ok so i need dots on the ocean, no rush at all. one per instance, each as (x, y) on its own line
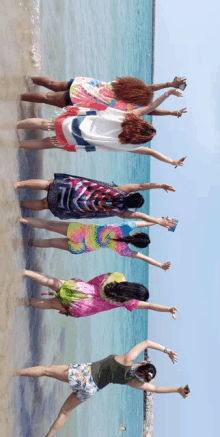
(101, 39)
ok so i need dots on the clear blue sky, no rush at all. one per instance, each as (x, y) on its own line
(187, 43)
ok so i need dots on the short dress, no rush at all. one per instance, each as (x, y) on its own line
(81, 130)
(83, 299)
(77, 197)
(83, 238)
(96, 94)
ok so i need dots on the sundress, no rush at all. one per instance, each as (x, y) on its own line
(83, 238)
(82, 299)
(96, 94)
(81, 130)
(77, 197)
(81, 381)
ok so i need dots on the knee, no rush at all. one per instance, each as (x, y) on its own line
(49, 97)
(44, 203)
(47, 371)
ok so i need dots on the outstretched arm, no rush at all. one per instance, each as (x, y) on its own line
(131, 188)
(147, 109)
(136, 383)
(133, 353)
(174, 84)
(159, 156)
(164, 266)
(143, 223)
(165, 222)
(155, 307)
(70, 403)
(177, 114)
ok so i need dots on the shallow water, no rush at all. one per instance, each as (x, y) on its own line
(98, 39)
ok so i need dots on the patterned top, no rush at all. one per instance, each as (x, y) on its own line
(82, 299)
(77, 197)
(93, 93)
(79, 129)
(85, 238)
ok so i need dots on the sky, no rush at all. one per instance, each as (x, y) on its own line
(186, 44)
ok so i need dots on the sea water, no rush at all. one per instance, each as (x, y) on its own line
(100, 39)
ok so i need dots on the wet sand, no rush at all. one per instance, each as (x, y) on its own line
(16, 66)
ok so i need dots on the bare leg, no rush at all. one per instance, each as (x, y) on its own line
(49, 225)
(57, 243)
(57, 372)
(53, 283)
(35, 205)
(34, 123)
(34, 184)
(51, 84)
(47, 304)
(54, 99)
(42, 144)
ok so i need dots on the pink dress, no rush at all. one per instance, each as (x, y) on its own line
(82, 299)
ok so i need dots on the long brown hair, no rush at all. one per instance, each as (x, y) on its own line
(136, 130)
(132, 90)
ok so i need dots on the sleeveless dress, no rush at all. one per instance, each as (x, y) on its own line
(81, 130)
(82, 299)
(96, 94)
(77, 197)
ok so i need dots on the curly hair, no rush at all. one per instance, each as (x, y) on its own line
(132, 90)
(135, 130)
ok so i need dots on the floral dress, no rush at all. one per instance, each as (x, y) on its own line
(82, 299)
(85, 238)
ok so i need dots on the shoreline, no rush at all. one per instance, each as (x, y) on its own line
(147, 396)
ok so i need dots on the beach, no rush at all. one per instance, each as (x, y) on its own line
(85, 45)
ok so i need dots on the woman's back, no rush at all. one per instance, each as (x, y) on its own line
(84, 238)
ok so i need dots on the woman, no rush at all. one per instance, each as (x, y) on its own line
(84, 238)
(105, 292)
(76, 197)
(87, 379)
(125, 93)
(78, 129)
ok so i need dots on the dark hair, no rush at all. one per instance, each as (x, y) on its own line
(139, 239)
(145, 368)
(134, 200)
(135, 130)
(125, 291)
(132, 90)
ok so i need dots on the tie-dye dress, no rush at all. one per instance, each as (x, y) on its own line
(82, 299)
(96, 94)
(85, 238)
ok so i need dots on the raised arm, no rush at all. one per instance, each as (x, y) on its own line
(165, 222)
(136, 383)
(146, 151)
(177, 114)
(131, 188)
(147, 109)
(133, 353)
(164, 266)
(70, 403)
(143, 223)
(155, 307)
(174, 84)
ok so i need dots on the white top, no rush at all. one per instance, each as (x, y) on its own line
(102, 131)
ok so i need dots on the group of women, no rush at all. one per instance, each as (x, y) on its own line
(95, 116)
